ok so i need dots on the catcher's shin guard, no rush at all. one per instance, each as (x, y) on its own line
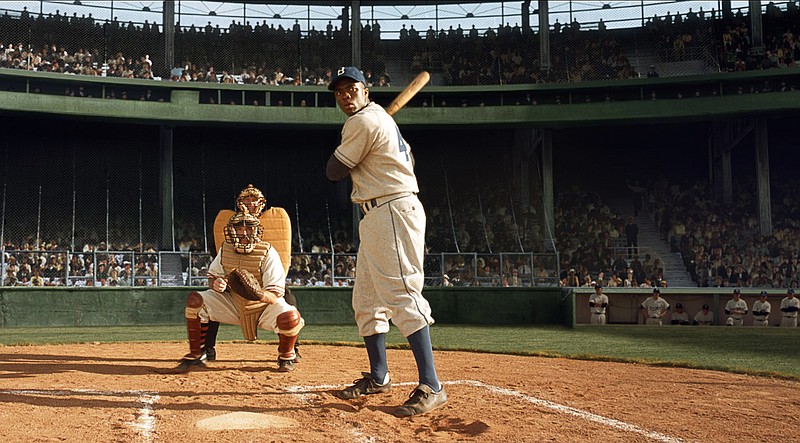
(289, 324)
(292, 300)
(196, 329)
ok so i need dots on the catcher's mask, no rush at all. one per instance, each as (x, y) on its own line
(251, 201)
(243, 231)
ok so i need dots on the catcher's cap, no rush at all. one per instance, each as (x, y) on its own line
(349, 72)
(763, 294)
(737, 291)
(706, 307)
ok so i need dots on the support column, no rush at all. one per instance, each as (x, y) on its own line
(355, 32)
(168, 17)
(547, 189)
(762, 177)
(524, 144)
(544, 36)
(166, 188)
(526, 17)
(727, 178)
(756, 30)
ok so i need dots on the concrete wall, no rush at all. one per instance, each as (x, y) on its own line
(69, 306)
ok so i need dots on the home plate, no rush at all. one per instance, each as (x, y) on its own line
(245, 420)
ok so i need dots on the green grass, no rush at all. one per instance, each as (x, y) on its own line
(757, 351)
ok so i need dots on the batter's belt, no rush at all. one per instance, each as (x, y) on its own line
(249, 313)
(380, 201)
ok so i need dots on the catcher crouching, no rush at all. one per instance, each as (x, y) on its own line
(246, 281)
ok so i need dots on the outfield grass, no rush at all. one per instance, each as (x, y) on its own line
(759, 351)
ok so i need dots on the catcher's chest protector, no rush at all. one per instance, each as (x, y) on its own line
(249, 310)
(277, 230)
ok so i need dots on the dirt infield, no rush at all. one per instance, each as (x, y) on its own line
(123, 393)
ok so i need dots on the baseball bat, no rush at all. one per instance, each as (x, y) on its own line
(409, 92)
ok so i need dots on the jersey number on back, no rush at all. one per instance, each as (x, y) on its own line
(402, 144)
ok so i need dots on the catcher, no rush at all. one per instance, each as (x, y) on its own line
(246, 281)
(252, 201)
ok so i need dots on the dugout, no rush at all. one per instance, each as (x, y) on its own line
(624, 303)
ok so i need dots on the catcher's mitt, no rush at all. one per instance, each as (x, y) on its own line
(242, 282)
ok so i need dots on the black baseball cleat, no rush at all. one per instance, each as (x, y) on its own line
(209, 354)
(364, 386)
(422, 400)
(285, 365)
(188, 364)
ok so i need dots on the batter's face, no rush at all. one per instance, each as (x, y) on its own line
(350, 95)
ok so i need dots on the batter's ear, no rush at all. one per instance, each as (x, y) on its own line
(366, 91)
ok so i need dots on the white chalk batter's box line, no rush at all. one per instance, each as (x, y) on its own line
(586, 415)
(145, 422)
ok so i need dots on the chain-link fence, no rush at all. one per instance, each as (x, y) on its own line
(78, 190)
(459, 43)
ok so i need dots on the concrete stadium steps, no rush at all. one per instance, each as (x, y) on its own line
(674, 272)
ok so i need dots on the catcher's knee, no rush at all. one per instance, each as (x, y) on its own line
(290, 323)
(194, 303)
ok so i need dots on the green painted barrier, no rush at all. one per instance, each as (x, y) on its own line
(91, 306)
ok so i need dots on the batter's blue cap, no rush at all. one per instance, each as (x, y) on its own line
(790, 291)
(764, 293)
(349, 72)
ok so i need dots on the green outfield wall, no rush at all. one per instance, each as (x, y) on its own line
(70, 306)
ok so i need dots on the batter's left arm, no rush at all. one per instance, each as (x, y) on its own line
(335, 170)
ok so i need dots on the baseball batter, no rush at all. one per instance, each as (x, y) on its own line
(654, 309)
(598, 303)
(761, 310)
(736, 309)
(243, 249)
(389, 273)
(789, 307)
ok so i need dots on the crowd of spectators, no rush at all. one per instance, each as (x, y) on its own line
(721, 243)
(246, 54)
(781, 42)
(590, 237)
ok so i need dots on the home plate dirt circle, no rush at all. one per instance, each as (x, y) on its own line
(245, 420)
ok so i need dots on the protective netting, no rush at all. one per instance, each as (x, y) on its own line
(460, 44)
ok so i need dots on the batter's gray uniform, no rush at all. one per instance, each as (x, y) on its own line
(761, 310)
(789, 309)
(389, 273)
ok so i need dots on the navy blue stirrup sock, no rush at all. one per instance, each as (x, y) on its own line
(420, 342)
(376, 350)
